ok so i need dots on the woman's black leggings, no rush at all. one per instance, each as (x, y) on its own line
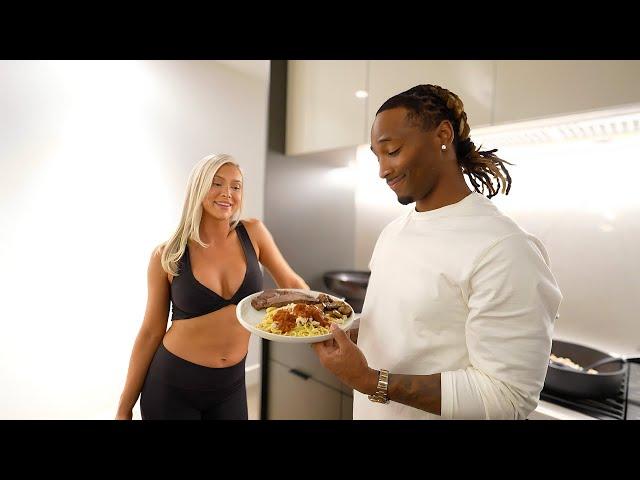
(176, 389)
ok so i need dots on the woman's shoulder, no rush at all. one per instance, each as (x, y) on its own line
(257, 232)
(156, 261)
(250, 222)
(158, 250)
(253, 225)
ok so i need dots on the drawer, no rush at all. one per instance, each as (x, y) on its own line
(292, 397)
(302, 357)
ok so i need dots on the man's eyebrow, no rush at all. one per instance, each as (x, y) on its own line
(381, 140)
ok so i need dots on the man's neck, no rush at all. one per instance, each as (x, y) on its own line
(443, 194)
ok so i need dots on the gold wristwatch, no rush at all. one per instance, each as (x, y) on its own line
(382, 390)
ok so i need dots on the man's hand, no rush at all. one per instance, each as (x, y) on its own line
(345, 360)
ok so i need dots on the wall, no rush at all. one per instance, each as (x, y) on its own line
(580, 198)
(310, 210)
(95, 157)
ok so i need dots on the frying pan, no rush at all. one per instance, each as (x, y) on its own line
(580, 384)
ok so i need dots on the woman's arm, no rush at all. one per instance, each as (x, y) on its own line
(269, 255)
(151, 333)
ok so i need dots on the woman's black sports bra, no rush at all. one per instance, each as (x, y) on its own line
(190, 298)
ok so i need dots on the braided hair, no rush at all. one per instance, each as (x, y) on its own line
(428, 105)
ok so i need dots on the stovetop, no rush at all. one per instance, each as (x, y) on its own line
(624, 406)
(633, 399)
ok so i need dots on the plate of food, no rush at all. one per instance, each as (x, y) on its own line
(293, 315)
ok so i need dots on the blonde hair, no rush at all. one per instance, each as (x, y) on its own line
(198, 187)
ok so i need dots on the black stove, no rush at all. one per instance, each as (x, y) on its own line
(624, 406)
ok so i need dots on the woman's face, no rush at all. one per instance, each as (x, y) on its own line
(225, 194)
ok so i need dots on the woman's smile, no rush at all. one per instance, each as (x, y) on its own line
(223, 205)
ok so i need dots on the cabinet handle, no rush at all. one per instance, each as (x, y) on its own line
(300, 374)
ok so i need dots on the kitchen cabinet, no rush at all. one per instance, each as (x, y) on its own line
(530, 89)
(347, 407)
(471, 80)
(292, 397)
(301, 388)
(302, 357)
(323, 112)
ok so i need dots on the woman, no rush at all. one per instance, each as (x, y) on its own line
(196, 369)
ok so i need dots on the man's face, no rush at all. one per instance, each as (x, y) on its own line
(410, 158)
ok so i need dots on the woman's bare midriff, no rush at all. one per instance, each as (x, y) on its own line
(214, 340)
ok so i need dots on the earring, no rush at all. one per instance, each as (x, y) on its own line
(444, 147)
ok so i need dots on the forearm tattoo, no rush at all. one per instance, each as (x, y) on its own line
(418, 391)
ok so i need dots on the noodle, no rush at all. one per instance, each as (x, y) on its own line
(305, 327)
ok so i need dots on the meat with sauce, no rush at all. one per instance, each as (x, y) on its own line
(279, 298)
(286, 321)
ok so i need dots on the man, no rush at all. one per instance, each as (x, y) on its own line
(458, 316)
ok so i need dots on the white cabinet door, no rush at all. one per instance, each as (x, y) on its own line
(530, 89)
(303, 358)
(471, 80)
(291, 397)
(323, 111)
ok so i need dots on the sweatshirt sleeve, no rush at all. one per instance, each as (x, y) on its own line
(513, 301)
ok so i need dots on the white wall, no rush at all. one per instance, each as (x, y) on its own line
(94, 158)
(581, 200)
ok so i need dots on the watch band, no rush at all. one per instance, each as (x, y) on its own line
(382, 390)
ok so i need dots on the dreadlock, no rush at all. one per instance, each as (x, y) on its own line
(430, 105)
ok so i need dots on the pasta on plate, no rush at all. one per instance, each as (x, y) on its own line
(299, 320)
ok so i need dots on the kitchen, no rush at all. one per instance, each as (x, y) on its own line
(558, 136)
(300, 130)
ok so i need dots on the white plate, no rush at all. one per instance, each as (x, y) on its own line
(249, 317)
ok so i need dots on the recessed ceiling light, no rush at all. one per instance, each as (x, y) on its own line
(362, 94)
